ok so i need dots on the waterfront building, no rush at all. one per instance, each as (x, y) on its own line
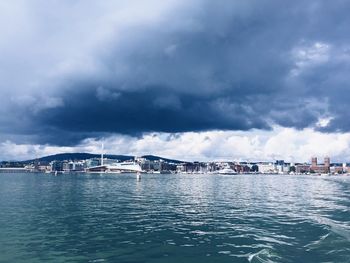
(302, 168)
(254, 168)
(180, 168)
(168, 167)
(320, 168)
(282, 167)
(267, 168)
(242, 168)
(57, 166)
(327, 162)
(44, 168)
(336, 169)
(77, 166)
(92, 162)
(146, 165)
(347, 170)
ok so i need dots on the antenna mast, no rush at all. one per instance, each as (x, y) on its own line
(102, 154)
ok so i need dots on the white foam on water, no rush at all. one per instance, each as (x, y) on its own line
(264, 256)
(334, 226)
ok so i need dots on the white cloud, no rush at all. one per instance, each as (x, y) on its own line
(324, 122)
(308, 56)
(12, 151)
(281, 143)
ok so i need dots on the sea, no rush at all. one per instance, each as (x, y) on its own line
(174, 218)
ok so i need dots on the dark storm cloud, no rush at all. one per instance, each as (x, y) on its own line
(152, 109)
(228, 65)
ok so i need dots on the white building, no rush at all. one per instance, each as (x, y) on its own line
(267, 168)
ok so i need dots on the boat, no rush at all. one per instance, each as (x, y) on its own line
(226, 171)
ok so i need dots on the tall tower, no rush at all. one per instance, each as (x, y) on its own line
(314, 162)
(327, 164)
(102, 154)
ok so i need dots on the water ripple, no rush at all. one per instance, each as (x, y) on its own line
(177, 218)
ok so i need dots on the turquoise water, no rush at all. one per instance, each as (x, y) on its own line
(174, 218)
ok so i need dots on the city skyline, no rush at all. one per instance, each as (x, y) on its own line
(313, 161)
(88, 163)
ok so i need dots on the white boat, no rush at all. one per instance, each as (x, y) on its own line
(227, 171)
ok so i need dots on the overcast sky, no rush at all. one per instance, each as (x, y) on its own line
(193, 79)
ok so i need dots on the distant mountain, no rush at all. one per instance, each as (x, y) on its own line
(157, 158)
(77, 156)
(84, 156)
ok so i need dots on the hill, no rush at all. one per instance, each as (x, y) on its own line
(84, 156)
(157, 158)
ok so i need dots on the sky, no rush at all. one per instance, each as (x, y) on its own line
(187, 79)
